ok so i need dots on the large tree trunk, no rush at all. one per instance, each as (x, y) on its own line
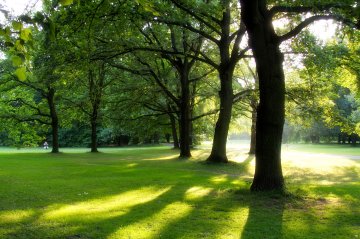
(185, 113)
(271, 113)
(54, 120)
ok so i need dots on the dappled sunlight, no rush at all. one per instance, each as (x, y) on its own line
(219, 179)
(241, 158)
(132, 165)
(200, 154)
(240, 183)
(326, 214)
(237, 220)
(168, 157)
(104, 207)
(15, 216)
(151, 227)
(197, 192)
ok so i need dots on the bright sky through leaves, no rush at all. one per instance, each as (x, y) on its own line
(324, 30)
(18, 7)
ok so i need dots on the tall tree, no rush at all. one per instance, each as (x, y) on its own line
(214, 21)
(265, 44)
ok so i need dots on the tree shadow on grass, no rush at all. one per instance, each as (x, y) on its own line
(265, 216)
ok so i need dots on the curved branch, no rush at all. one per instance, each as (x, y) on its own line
(197, 17)
(189, 27)
(302, 25)
(303, 9)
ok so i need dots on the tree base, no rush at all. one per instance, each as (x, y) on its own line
(275, 184)
(217, 159)
(185, 156)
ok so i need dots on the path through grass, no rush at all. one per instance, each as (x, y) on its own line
(149, 193)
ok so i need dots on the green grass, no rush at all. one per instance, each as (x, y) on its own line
(149, 193)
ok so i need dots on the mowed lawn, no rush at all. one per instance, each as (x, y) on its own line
(150, 193)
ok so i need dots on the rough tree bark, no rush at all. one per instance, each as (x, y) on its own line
(270, 115)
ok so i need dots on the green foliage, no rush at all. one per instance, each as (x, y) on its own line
(61, 46)
(66, 2)
(21, 73)
(319, 90)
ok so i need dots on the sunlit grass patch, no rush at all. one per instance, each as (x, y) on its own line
(15, 216)
(152, 226)
(103, 207)
(196, 193)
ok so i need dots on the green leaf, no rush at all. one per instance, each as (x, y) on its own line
(19, 46)
(25, 34)
(17, 61)
(21, 73)
(66, 2)
(17, 25)
(7, 31)
(2, 32)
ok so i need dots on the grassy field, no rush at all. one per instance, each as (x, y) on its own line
(149, 193)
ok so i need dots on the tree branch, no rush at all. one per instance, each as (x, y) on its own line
(241, 94)
(302, 25)
(189, 27)
(303, 9)
(212, 112)
(197, 17)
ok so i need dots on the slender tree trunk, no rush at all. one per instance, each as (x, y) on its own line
(226, 70)
(253, 130)
(185, 113)
(167, 138)
(192, 139)
(96, 85)
(94, 135)
(218, 151)
(54, 120)
(271, 113)
(94, 123)
(192, 105)
(174, 131)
